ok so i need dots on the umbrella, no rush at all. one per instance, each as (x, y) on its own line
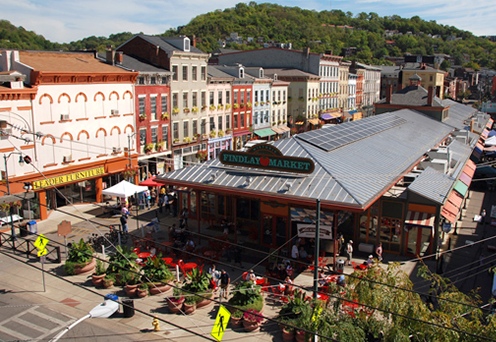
(150, 182)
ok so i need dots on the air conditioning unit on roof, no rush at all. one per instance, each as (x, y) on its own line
(64, 116)
(114, 112)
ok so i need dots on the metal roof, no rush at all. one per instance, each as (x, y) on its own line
(352, 175)
(459, 114)
(433, 185)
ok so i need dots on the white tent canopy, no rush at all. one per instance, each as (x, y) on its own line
(124, 189)
(490, 141)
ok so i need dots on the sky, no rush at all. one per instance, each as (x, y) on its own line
(63, 21)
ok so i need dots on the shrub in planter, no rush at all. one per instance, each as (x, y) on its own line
(175, 302)
(80, 255)
(252, 319)
(121, 263)
(99, 274)
(108, 281)
(247, 296)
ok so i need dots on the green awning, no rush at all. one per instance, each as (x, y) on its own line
(265, 132)
(461, 188)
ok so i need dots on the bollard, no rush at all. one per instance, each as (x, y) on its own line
(156, 324)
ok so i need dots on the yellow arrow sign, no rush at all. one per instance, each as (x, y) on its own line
(220, 323)
(41, 242)
(42, 252)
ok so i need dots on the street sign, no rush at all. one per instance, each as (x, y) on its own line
(220, 323)
(42, 252)
(41, 242)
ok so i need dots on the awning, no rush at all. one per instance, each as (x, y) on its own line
(415, 218)
(347, 115)
(299, 123)
(465, 179)
(461, 188)
(469, 168)
(265, 132)
(314, 121)
(277, 130)
(450, 212)
(284, 128)
(329, 116)
(150, 182)
(456, 199)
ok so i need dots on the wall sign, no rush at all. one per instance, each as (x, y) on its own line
(268, 157)
(68, 178)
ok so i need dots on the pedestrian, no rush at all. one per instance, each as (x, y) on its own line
(483, 216)
(124, 223)
(225, 280)
(378, 251)
(147, 197)
(252, 277)
(153, 197)
(167, 203)
(184, 216)
(340, 244)
(161, 199)
(295, 254)
(349, 252)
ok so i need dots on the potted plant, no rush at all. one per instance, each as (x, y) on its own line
(108, 281)
(220, 107)
(121, 263)
(187, 140)
(252, 319)
(175, 302)
(203, 108)
(131, 281)
(142, 290)
(165, 116)
(157, 274)
(228, 106)
(99, 274)
(159, 146)
(236, 317)
(189, 304)
(80, 258)
(198, 287)
(247, 296)
(186, 110)
(213, 133)
(288, 333)
(212, 107)
(149, 147)
(142, 116)
(175, 110)
(194, 109)
(220, 133)
(201, 155)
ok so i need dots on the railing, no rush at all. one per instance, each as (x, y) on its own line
(26, 246)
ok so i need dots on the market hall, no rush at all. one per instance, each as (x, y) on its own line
(390, 178)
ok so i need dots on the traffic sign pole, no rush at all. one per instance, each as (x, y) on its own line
(42, 260)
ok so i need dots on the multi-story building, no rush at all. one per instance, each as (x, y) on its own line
(152, 106)
(330, 73)
(242, 87)
(188, 86)
(430, 77)
(343, 94)
(371, 85)
(352, 85)
(84, 111)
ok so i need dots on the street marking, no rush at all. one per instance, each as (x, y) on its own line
(220, 323)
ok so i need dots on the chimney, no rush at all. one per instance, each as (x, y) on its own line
(430, 96)
(109, 55)
(194, 40)
(389, 93)
(307, 52)
(119, 57)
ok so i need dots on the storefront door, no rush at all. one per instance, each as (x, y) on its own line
(275, 231)
(419, 241)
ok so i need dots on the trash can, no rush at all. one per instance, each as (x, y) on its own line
(32, 227)
(23, 230)
(340, 266)
(128, 307)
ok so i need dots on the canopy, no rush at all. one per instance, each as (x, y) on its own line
(490, 141)
(124, 189)
(150, 182)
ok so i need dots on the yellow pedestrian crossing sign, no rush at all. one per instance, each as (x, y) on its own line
(220, 323)
(42, 252)
(41, 242)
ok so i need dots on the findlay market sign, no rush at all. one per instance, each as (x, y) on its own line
(264, 156)
(68, 178)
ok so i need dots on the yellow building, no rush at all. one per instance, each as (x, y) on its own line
(429, 77)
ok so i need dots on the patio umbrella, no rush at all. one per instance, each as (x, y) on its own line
(150, 182)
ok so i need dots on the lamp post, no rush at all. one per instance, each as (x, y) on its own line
(130, 165)
(21, 162)
(104, 310)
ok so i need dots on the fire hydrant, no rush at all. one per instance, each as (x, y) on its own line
(156, 324)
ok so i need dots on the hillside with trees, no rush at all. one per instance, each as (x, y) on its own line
(321, 31)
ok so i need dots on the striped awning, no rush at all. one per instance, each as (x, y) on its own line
(277, 130)
(415, 218)
(284, 128)
(450, 212)
(469, 168)
(314, 121)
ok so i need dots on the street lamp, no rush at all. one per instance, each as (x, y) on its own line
(21, 162)
(130, 165)
(104, 310)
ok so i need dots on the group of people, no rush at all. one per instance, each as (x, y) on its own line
(220, 279)
(167, 202)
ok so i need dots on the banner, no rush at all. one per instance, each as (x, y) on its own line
(308, 231)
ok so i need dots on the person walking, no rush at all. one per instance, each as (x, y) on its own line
(378, 251)
(153, 197)
(124, 223)
(225, 280)
(349, 252)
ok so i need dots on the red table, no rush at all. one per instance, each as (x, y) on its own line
(187, 267)
(168, 261)
(144, 255)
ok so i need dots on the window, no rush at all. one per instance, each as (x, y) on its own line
(163, 100)
(141, 80)
(256, 96)
(228, 96)
(194, 73)
(163, 80)
(165, 136)
(219, 123)
(195, 99)
(175, 100)
(235, 100)
(219, 97)
(212, 123)
(175, 130)
(248, 96)
(153, 107)
(242, 96)
(185, 100)
(241, 73)
(142, 105)
(255, 118)
(154, 135)
(185, 128)
(195, 127)
(228, 122)
(242, 119)
(175, 77)
(211, 98)
(142, 135)
(203, 126)
(203, 73)
(185, 72)
(203, 98)
(236, 123)
(153, 80)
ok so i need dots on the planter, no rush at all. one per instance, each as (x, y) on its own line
(159, 288)
(235, 321)
(89, 267)
(141, 293)
(288, 335)
(175, 304)
(300, 336)
(204, 302)
(130, 290)
(107, 283)
(188, 309)
(251, 325)
(97, 280)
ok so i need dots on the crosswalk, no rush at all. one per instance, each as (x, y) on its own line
(30, 323)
